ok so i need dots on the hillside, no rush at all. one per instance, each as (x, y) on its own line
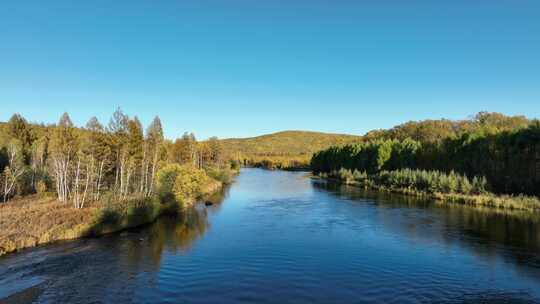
(283, 149)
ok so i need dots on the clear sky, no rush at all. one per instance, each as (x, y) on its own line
(241, 68)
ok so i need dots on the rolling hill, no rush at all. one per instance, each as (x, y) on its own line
(283, 149)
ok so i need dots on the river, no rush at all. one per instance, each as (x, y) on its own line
(280, 237)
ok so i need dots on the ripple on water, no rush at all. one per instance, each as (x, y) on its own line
(278, 238)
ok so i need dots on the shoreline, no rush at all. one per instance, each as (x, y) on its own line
(490, 200)
(95, 220)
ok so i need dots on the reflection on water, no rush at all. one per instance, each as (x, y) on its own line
(279, 237)
(172, 233)
(495, 227)
(510, 234)
(78, 271)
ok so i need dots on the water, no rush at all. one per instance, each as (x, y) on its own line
(279, 237)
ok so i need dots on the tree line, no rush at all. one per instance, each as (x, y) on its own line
(81, 164)
(504, 150)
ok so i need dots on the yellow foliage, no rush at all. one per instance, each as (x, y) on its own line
(184, 182)
(189, 183)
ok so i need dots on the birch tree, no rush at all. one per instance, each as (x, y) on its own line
(38, 163)
(64, 146)
(118, 129)
(154, 135)
(97, 147)
(134, 156)
(14, 170)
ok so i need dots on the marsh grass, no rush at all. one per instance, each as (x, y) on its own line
(446, 187)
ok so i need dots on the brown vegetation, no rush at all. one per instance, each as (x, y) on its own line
(36, 220)
(62, 182)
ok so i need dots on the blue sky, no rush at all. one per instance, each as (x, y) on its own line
(235, 68)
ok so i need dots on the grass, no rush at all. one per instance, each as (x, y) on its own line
(480, 198)
(520, 202)
(36, 220)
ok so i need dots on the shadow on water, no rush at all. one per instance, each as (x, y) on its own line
(87, 268)
(485, 231)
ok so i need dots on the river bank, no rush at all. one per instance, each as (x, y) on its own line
(37, 220)
(487, 199)
(325, 243)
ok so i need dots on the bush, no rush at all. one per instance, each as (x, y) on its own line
(189, 183)
(418, 180)
(235, 165)
(479, 185)
(41, 187)
(166, 179)
(223, 175)
(180, 183)
(345, 175)
(464, 185)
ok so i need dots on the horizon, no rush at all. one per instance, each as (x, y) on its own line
(104, 123)
(238, 69)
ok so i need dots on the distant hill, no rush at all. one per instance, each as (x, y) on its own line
(286, 143)
(283, 149)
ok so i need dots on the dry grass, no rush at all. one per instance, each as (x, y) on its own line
(34, 220)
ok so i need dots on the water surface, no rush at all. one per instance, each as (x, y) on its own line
(280, 237)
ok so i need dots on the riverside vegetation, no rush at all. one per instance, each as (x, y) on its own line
(451, 187)
(62, 182)
(490, 160)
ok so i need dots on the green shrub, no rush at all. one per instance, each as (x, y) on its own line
(417, 180)
(464, 185)
(479, 185)
(235, 165)
(166, 178)
(346, 175)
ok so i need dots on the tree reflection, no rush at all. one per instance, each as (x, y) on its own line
(481, 230)
(174, 233)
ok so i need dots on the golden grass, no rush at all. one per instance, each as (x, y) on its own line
(35, 220)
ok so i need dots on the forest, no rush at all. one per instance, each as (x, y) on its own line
(503, 150)
(81, 164)
(61, 181)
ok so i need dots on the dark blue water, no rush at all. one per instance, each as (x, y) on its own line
(279, 237)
